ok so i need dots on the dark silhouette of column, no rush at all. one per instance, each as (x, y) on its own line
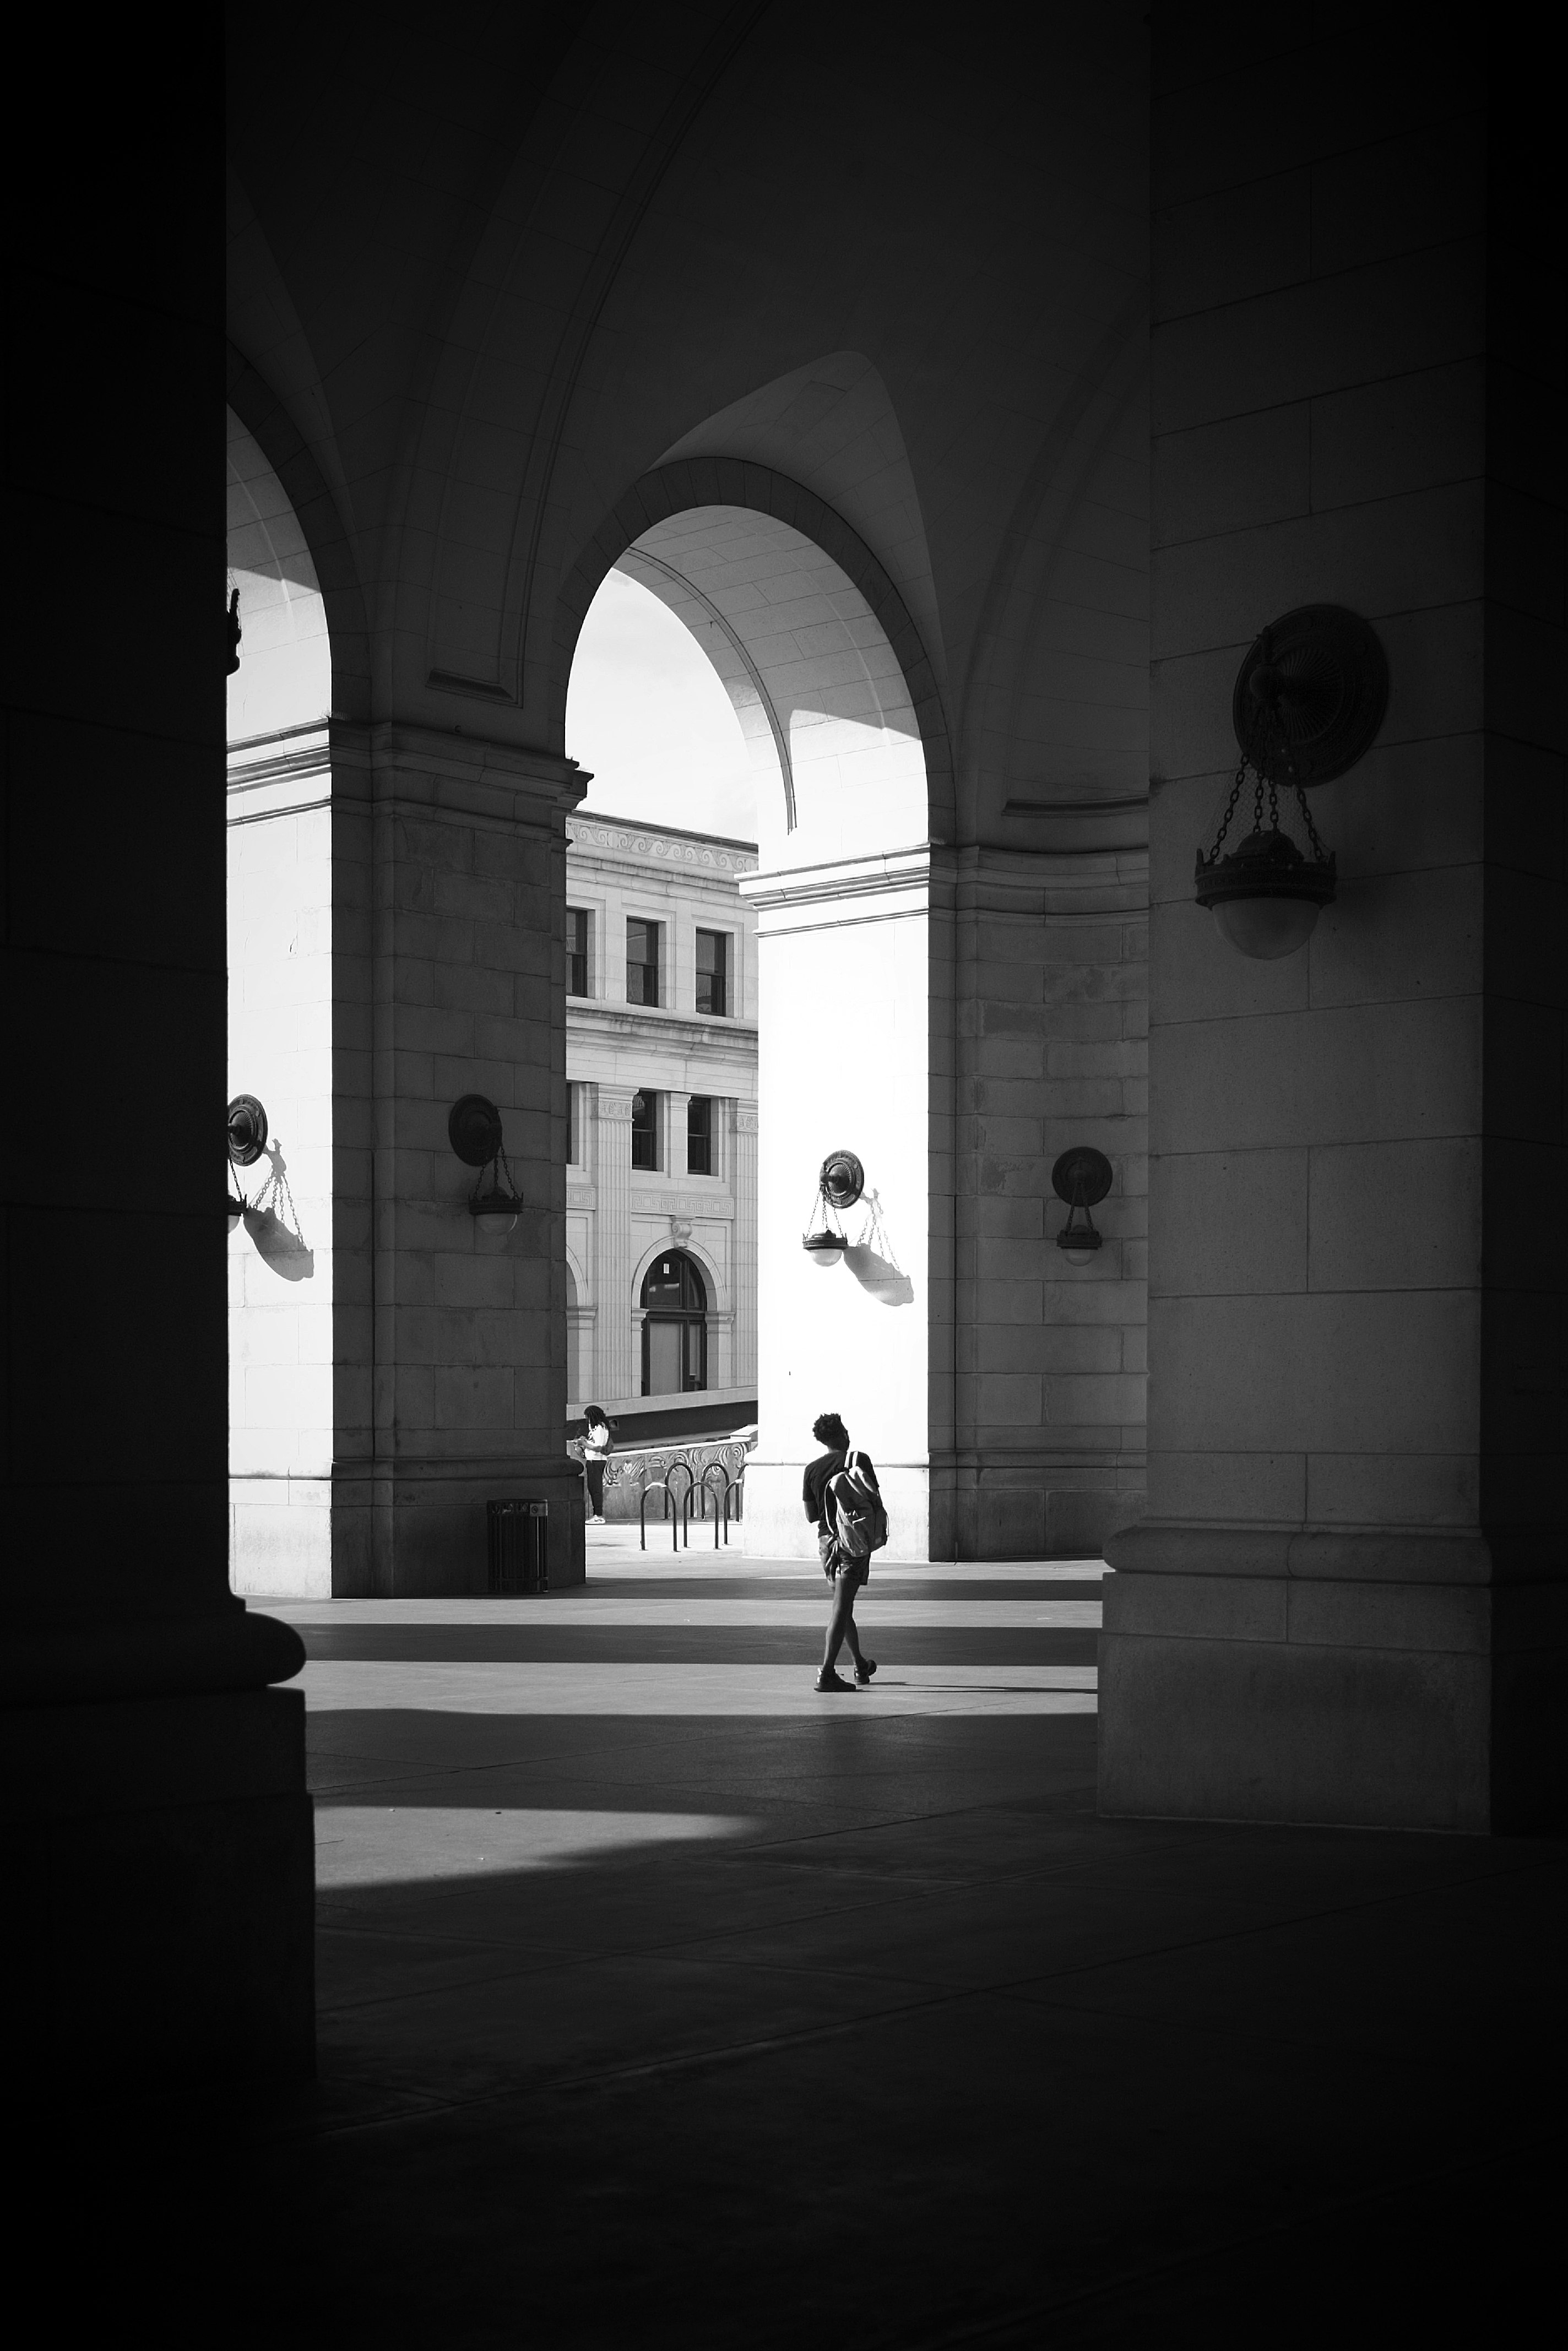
(159, 1863)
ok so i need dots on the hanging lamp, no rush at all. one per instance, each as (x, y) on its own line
(1308, 702)
(473, 1131)
(247, 1141)
(840, 1180)
(1082, 1177)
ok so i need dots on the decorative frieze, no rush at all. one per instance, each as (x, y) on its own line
(662, 848)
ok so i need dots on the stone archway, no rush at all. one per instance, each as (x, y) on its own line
(847, 735)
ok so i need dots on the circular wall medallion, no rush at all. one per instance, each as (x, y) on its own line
(842, 1179)
(1082, 1177)
(247, 1130)
(1310, 694)
(473, 1130)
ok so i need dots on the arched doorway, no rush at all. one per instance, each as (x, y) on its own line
(675, 1303)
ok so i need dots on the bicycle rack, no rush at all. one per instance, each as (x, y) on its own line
(716, 1469)
(657, 1486)
(702, 1491)
(690, 1481)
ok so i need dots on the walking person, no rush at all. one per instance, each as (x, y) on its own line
(844, 1502)
(596, 1444)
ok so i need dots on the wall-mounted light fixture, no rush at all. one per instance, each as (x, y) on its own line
(1082, 1177)
(473, 1131)
(247, 1141)
(1308, 699)
(840, 1180)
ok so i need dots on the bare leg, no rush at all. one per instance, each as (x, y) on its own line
(841, 1623)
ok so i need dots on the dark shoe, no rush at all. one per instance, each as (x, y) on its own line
(827, 1681)
(864, 1670)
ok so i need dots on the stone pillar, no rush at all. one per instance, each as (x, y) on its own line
(157, 1829)
(451, 1374)
(1052, 1022)
(1347, 1602)
(616, 1373)
(743, 1269)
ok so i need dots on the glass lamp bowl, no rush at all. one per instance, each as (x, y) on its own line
(1265, 895)
(1264, 929)
(1078, 1247)
(495, 1211)
(824, 1249)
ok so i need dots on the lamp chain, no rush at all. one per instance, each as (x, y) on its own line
(1319, 851)
(1229, 808)
(1263, 771)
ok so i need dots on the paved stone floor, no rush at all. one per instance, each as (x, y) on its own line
(663, 2001)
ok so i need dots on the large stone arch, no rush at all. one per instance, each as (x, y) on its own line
(846, 723)
(696, 483)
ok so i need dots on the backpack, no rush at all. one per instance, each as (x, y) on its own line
(859, 1516)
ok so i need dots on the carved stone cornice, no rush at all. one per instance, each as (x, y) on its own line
(661, 845)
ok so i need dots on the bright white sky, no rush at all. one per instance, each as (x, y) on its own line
(646, 715)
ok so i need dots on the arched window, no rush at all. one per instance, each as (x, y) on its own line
(675, 1326)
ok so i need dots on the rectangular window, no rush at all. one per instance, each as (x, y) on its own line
(577, 951)
(699, 1135)
(642, 963)
(571, 1158)
(712, 972)
(645, 1129)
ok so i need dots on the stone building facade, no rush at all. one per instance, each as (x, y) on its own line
(660, 1066)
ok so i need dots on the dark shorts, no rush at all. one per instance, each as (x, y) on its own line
(849, 1574)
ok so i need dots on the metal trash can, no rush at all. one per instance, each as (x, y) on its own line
(519, 1536)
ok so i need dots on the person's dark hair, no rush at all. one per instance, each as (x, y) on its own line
(829, 1430)
(595, 1417)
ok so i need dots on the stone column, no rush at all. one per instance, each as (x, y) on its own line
(742, 1275)
(1347, 1602)
(616, 1375)
(452, 1365)
(157, 1828)
(1052, 979)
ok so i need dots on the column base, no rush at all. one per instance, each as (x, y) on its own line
(280, 1538)
(417, 1529)
(1358, 1680)
(161, 1882)
(1044, 1504)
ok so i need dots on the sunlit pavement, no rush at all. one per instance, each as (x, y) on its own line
(664, 1999)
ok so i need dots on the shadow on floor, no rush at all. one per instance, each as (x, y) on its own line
(870, 2032)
